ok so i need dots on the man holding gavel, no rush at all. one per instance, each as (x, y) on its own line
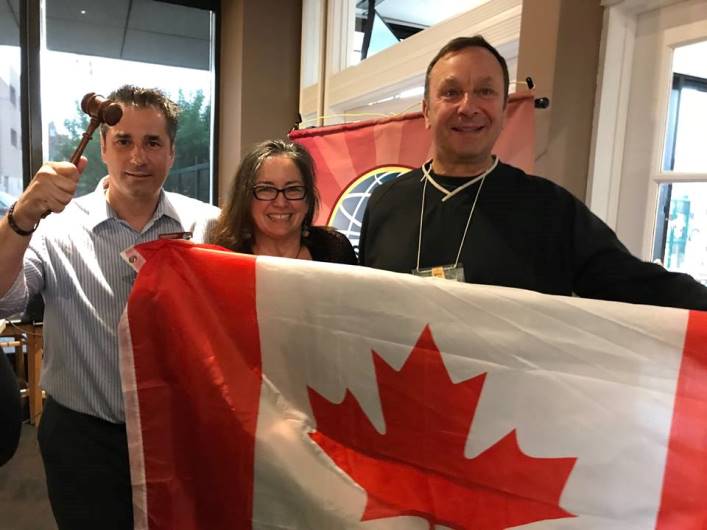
(73, 259)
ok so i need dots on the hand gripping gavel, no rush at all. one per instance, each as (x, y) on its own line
(101, 110)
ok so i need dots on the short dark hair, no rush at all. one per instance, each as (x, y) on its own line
(234, 228)
(461, 43)
(139, 97)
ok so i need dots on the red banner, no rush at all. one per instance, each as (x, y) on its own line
(353, 158)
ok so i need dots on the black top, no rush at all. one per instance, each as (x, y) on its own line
(326, 244)
(526, 232)
(10, 417)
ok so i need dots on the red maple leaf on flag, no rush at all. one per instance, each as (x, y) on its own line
(417, 467)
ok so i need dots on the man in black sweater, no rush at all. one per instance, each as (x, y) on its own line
(467, 216)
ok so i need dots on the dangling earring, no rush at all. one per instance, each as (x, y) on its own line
(305, 230)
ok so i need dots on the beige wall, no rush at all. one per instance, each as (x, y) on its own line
(559, 49)
(259, 68)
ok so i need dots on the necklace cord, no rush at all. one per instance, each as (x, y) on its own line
(447, 195)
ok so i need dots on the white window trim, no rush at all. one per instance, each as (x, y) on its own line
(672, 38)
(610, 111)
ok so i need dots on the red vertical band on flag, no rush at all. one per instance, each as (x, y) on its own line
(198, 376)
(683, 505)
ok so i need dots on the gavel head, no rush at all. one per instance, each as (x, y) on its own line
(102, 109)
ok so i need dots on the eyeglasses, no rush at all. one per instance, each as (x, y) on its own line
(270, 193)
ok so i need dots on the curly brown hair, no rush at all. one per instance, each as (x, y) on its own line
(234, 227)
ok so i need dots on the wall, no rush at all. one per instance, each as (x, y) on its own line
(259, 77)
(559, 49)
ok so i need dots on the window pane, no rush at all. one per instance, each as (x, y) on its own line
(687, 111)
(108, 43)
(682, 224)
(10, 124)
(690, 152)
(396, 20)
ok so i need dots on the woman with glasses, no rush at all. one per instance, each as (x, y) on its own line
(271, 206)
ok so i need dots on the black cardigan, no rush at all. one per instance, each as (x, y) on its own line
(326, 244)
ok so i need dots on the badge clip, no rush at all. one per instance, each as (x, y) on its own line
(176, 235)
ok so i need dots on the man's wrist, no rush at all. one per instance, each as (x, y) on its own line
(12, 221)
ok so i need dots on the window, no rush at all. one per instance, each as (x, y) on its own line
(395, 20)
(680, 240)
(682, 232)
(100, 46)
(684, 147)
(10, 117)
(140, 42)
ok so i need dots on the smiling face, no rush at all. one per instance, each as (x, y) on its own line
(279, 219)
(465, 110)
(138, 154)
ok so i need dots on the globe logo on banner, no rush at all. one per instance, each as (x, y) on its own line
(347, 214)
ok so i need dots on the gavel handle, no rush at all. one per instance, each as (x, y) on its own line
(92, 126)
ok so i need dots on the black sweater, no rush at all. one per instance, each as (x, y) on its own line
(526, 232)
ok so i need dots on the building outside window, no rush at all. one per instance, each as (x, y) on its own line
(10, 118)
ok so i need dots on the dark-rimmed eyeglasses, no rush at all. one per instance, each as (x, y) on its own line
(270, 193)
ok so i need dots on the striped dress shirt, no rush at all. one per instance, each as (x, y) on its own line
(74, 261)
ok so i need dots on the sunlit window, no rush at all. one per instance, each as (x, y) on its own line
(10, 118)
(681, 224)
(395, 20)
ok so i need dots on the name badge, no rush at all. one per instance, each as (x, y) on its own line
(445, 272)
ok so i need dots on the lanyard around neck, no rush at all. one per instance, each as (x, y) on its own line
(447, 194)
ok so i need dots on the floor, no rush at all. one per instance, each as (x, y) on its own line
(23, 493)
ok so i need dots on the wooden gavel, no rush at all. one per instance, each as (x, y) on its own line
(101, 110)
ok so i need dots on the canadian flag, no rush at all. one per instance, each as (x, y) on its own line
(268, 393)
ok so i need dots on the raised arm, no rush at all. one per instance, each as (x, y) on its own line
(51, 189)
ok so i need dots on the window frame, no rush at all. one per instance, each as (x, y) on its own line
(665, 191)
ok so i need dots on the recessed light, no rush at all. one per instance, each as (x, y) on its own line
(83, 11)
